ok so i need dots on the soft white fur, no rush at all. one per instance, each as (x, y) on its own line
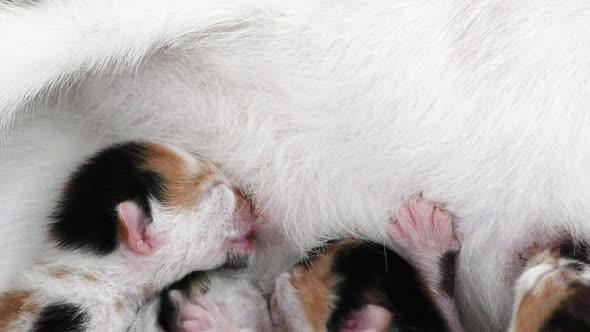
(246, 305)
(146, 319)
(328, 112)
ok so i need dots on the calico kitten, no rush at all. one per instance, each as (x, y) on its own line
(130, 220)
(553, 291)
(351, 285)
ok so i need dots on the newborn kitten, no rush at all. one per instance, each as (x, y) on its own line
(352, 285)
(553, 292)
(131, 220)
(214, 301)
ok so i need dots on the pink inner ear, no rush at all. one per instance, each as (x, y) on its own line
(369, 318)
(134, 224)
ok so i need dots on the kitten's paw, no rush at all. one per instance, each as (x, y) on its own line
(422, 225)
(204, 315)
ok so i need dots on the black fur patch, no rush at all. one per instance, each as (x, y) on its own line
(86, 217)
(236, 261)
(314, 253)
(168, 314)
(448, 268)
(62, 317)
(573, 315)
(370, 268)
(577, 251)
(576, 266)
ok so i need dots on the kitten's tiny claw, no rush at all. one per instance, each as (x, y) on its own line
(421, 225)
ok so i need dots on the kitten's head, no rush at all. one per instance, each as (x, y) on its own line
(335, 288)
(155, 203)
(553, 292)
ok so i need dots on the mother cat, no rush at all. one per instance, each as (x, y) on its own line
(328, 112)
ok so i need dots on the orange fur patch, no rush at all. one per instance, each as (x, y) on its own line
(58, 272)
(13, 305)
(182, 186)
(535, 308)
(89, 277)
(119, 305)
(315, 284)
(314, 292)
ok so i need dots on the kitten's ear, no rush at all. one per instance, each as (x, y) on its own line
(133, 222)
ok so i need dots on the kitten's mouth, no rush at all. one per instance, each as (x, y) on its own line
(245, 243)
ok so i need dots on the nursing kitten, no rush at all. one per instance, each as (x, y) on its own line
(553, 292)
(130, 220)
(351, 285)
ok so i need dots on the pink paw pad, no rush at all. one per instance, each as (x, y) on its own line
(369, 318)
(203, 315)
(421, 224)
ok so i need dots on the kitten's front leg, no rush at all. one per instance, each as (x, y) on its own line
(287, 312)
(425, 232)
